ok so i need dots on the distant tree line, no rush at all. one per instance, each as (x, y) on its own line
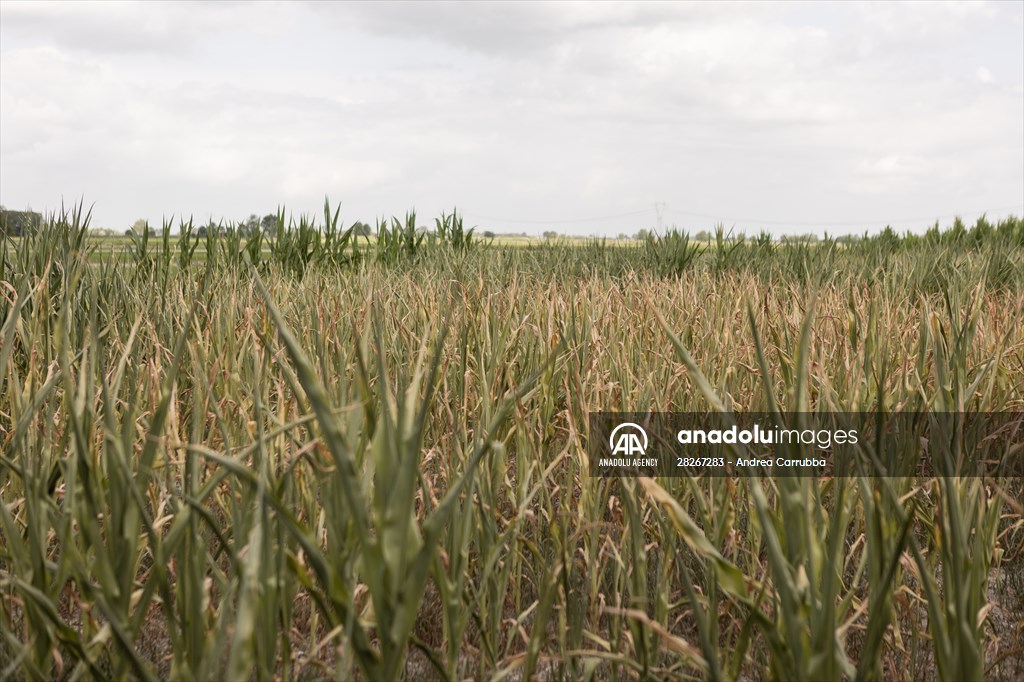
(248, 227)
(19, 223)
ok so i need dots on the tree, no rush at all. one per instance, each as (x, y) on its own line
(550, 235)
(250, 225)
(269, 224)
(361, 229)
(488, 234)
(19, 223)
(642, 235)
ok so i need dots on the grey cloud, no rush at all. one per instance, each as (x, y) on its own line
(520, 110)
(161, 28)
(508, 29)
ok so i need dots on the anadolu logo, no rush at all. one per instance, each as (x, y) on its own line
(628, 439)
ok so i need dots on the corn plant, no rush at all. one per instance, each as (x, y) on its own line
(450, 231)
(188, 241)
(398, 241)
(318, 459)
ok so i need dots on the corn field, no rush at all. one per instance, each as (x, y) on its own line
(311, 458)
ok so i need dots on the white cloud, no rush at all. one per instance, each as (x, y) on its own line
(517, 110)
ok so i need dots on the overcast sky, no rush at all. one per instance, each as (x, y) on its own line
(527, 116)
